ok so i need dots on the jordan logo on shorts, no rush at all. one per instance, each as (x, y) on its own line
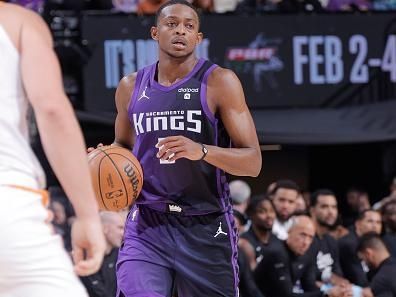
(220, 231)
(143, 95)
(134, 214)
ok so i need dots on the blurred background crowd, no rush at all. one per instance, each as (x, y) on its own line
(147, 7)
(291, 242)
(304, 230)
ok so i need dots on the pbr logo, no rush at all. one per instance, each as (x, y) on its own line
(260, 58)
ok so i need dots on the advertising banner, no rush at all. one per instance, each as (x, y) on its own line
(283, 61)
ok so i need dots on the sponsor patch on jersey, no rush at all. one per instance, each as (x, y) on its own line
(187, 93)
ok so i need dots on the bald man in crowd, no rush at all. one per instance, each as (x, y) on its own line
(104, 283)
(289, 270)
(373, 251)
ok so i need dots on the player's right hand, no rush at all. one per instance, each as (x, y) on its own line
(90, 149)
(88, 245)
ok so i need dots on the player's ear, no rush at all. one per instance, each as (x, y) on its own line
(154, 33)
(199, 37)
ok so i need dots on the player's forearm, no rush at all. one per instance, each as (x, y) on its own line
(64, 147)
(235, 161)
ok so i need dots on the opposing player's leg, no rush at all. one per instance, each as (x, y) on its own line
(144, 267)
(206, 256)
(33, 261)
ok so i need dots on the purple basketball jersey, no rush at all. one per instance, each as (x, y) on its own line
(156, 111)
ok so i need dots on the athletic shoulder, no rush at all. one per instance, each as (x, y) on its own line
(24, 26)
(125, 89)
(222, 75)
(225, 89)
(29, 19)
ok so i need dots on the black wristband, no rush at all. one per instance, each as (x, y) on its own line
(204, 152)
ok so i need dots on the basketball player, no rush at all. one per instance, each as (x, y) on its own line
(32, 260)
(185, 113)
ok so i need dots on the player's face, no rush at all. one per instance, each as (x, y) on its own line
(285, 203)
(370, 223)
(177, 31)
(264, 216)
(325, 211)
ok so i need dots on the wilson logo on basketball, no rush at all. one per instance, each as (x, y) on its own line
(128, 169)
(117, 177)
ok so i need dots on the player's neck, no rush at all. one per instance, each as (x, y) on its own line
(262, 235)
(321, 230)
(172, 70)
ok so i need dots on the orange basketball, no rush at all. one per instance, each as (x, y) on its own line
(117, 177)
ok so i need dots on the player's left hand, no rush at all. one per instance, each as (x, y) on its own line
(175, 147)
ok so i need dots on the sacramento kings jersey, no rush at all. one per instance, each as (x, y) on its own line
(156, 111)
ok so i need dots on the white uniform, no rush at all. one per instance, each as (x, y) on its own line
(33, 262)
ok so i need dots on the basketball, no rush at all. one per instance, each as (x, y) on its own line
(117, 177)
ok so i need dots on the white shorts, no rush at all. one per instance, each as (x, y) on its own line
(33, 262)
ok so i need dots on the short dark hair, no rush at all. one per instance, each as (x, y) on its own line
(240, 216)
(254, 203)
(370, 240)
(285, 184)
(321, 192)
(174, 2)
(362, 214)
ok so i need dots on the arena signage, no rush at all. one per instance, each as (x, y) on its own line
(282, 60)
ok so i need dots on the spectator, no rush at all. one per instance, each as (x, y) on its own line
(203, 5)
(247, 286)
(104, 283)
(74, 5)
(354, 270)
(240, 194)
(149, 7)
(240, 221)
(126, 6)
(289, 270)
(259, 236)
(338, 230)
(223, 6)
(271, 188)
(389, 217)
(300, 5)
(373, 252)
(36, 5)
(284, 198)
(357, 201)
(301, 206)
(324, 214)
(391, 197)
(258, 6)
(348, 5)
(60, 222)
